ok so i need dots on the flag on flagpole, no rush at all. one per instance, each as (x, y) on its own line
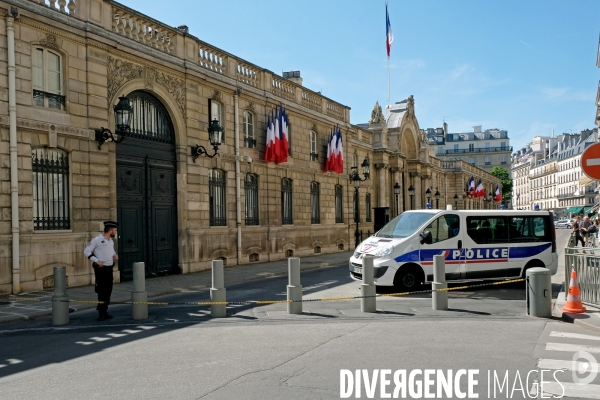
(335, 152)
(270, 148)
(471, 190)
(480, 191)
(389, 35)
(282, 146)
(498, 194)
(329, 150)
(339, 161)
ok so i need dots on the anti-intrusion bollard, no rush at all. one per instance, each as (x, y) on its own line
(217, 291)
(60, 300)
(294, 289)
(368, 304)
(139, 295)
(539, 292)
(439, 300)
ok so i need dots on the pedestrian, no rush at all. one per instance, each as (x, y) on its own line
(101, 251)
(577, 231)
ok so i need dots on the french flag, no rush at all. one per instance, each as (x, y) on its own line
(480, 191)
(498, 194)
(389, 35)
(283, 137)
(270, 148)
(471, 190)
(335, 152)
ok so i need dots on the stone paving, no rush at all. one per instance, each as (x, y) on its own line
(12, 311)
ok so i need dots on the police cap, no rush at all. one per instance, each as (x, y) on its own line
(110, 224)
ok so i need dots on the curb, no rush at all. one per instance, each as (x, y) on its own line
(84, 307)
(571, 318)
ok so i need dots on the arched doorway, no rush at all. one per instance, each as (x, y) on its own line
(146, 190)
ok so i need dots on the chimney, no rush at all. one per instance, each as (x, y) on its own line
(445, 128)
(293, 76)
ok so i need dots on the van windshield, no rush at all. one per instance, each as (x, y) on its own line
(404, 225)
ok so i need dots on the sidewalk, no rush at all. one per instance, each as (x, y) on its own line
(24, 310)
(587, 320)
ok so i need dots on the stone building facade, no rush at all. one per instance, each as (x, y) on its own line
(62, 71)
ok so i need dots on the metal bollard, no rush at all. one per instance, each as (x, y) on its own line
(217, 291)
(439, 300)
(368, 304)
(539, 292)
(294, 289)
(139, 311)
(60, 300)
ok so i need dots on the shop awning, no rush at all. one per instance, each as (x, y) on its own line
(588, 209)
(575, 210)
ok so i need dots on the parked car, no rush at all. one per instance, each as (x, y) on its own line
(563, 224)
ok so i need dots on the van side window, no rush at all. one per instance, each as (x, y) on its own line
(530, 229)
(488, 229)
(444, 228)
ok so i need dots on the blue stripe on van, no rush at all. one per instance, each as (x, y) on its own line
(513, 252)
(529, 251)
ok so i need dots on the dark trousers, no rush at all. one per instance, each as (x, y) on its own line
(104, 286)
(578, 238)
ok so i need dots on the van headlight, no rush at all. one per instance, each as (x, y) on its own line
(384, 251)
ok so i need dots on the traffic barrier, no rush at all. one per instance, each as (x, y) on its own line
(439, 299)
(218, 307)
(294, 289)
(139, 311)
(60, 300)
(574, 304)
(368, 303)
(267, 302)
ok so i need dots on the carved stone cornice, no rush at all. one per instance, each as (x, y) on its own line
(47, 126)
(50, 41)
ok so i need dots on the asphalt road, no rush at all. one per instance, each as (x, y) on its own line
(260, 352)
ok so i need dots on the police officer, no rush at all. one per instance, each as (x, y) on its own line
(101, 251)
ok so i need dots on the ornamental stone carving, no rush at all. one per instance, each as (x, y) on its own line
(377, 115)
(50, 42)
(149, 77)
(175, 87)
(410, 106)
(119, 72)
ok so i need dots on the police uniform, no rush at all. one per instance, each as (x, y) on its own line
(102, 249)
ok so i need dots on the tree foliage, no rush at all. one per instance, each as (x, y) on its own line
(504, 176)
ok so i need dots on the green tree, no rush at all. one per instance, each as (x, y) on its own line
(504, 176)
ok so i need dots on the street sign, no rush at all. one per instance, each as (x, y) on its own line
(590, 161)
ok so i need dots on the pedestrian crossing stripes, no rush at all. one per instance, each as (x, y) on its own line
(10, 361)
(566, 347)
(109, 336)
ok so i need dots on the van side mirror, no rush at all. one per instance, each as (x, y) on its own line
(426, 237)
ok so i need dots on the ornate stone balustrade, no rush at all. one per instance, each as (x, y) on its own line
(211, 58)
(142, 29)
(335, 110)
(70, 8)
(247, 74)
(312, 100)
(283, 88)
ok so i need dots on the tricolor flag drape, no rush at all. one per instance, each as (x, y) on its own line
(277, 148)
(498, 194)
(471, 188)
(335, 152)
(389, 36)
(480, 191)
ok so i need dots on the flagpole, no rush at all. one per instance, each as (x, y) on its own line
(388, 80)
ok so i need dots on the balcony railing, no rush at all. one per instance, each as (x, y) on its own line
(479, 150)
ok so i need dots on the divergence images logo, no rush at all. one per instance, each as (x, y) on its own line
(580, 368)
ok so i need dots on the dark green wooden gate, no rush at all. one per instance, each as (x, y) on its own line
(146, 191)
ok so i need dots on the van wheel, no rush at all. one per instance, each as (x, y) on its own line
(408, 278)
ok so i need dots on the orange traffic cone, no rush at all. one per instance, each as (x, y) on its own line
(574, 297)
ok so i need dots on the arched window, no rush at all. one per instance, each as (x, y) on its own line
(215, 111)
(249, 140)
(51, 205)
(315, 203)
(251, 199)
(150, 119)
(287, 212)
(339, 204)
(47, 79)
(313, 146)
(217, 187)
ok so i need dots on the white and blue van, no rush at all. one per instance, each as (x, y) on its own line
(477, 245)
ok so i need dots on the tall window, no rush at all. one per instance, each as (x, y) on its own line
(313, 146)
(249, 140)
(315, 203)
(51, 208)
(287, 215)
(471, 147)
(488, 161)
(472, 160)
(251, 198)
(368, 207)
(217, 187)
(47, 79)
(339, 205)
(503, 160)
(456, 148)
(215, 112)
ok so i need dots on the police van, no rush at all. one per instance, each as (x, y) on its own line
(476, 244)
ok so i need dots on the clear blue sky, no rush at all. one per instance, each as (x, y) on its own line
(524, 66)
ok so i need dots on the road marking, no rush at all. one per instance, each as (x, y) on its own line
(144, 327)
(580, 367)
(13, 361)
(572, 390)
(2, 365)
(571, 347)
(591, 162)
(99, 339)
(130, 331)
(116, 335)
(84, 343)
(573, 335)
